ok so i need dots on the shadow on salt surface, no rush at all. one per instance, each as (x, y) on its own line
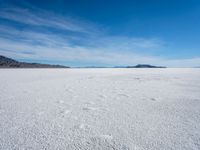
(101, 142)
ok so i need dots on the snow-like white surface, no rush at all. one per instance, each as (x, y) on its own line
(104, 109)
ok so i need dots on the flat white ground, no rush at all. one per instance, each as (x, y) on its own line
(89, 109)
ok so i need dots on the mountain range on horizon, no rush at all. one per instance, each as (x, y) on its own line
(6, 62)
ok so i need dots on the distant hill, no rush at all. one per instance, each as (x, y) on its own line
(137, 66)
(6, 62)
(145, 66)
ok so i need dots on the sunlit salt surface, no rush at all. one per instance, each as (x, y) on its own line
(104, 109)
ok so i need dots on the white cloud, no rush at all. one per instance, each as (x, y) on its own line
(85, 55)
(92, 46)
(42, 18)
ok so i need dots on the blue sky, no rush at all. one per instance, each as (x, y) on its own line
(101, 33)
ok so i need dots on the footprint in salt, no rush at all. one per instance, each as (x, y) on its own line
(106, 136)
(136, 78)
(153, 99)
(84, 127)
(69, 90)
(90, 108)
(64, 112)
(91, 77)
(67, 112)
(102, 96)
(123, 95)
(81, 127)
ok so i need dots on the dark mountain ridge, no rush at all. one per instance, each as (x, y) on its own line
(145, 66)
(6, 62)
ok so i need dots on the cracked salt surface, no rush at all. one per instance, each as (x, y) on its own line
(103, 109)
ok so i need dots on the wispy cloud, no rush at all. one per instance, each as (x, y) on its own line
(42, 18)
(52, 37)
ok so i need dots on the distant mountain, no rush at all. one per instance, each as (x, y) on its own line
(6, 62)
(145, 66)
(137, 66)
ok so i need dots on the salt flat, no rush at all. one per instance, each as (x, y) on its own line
(89, 109)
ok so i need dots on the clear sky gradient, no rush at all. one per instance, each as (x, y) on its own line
(101, 32)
